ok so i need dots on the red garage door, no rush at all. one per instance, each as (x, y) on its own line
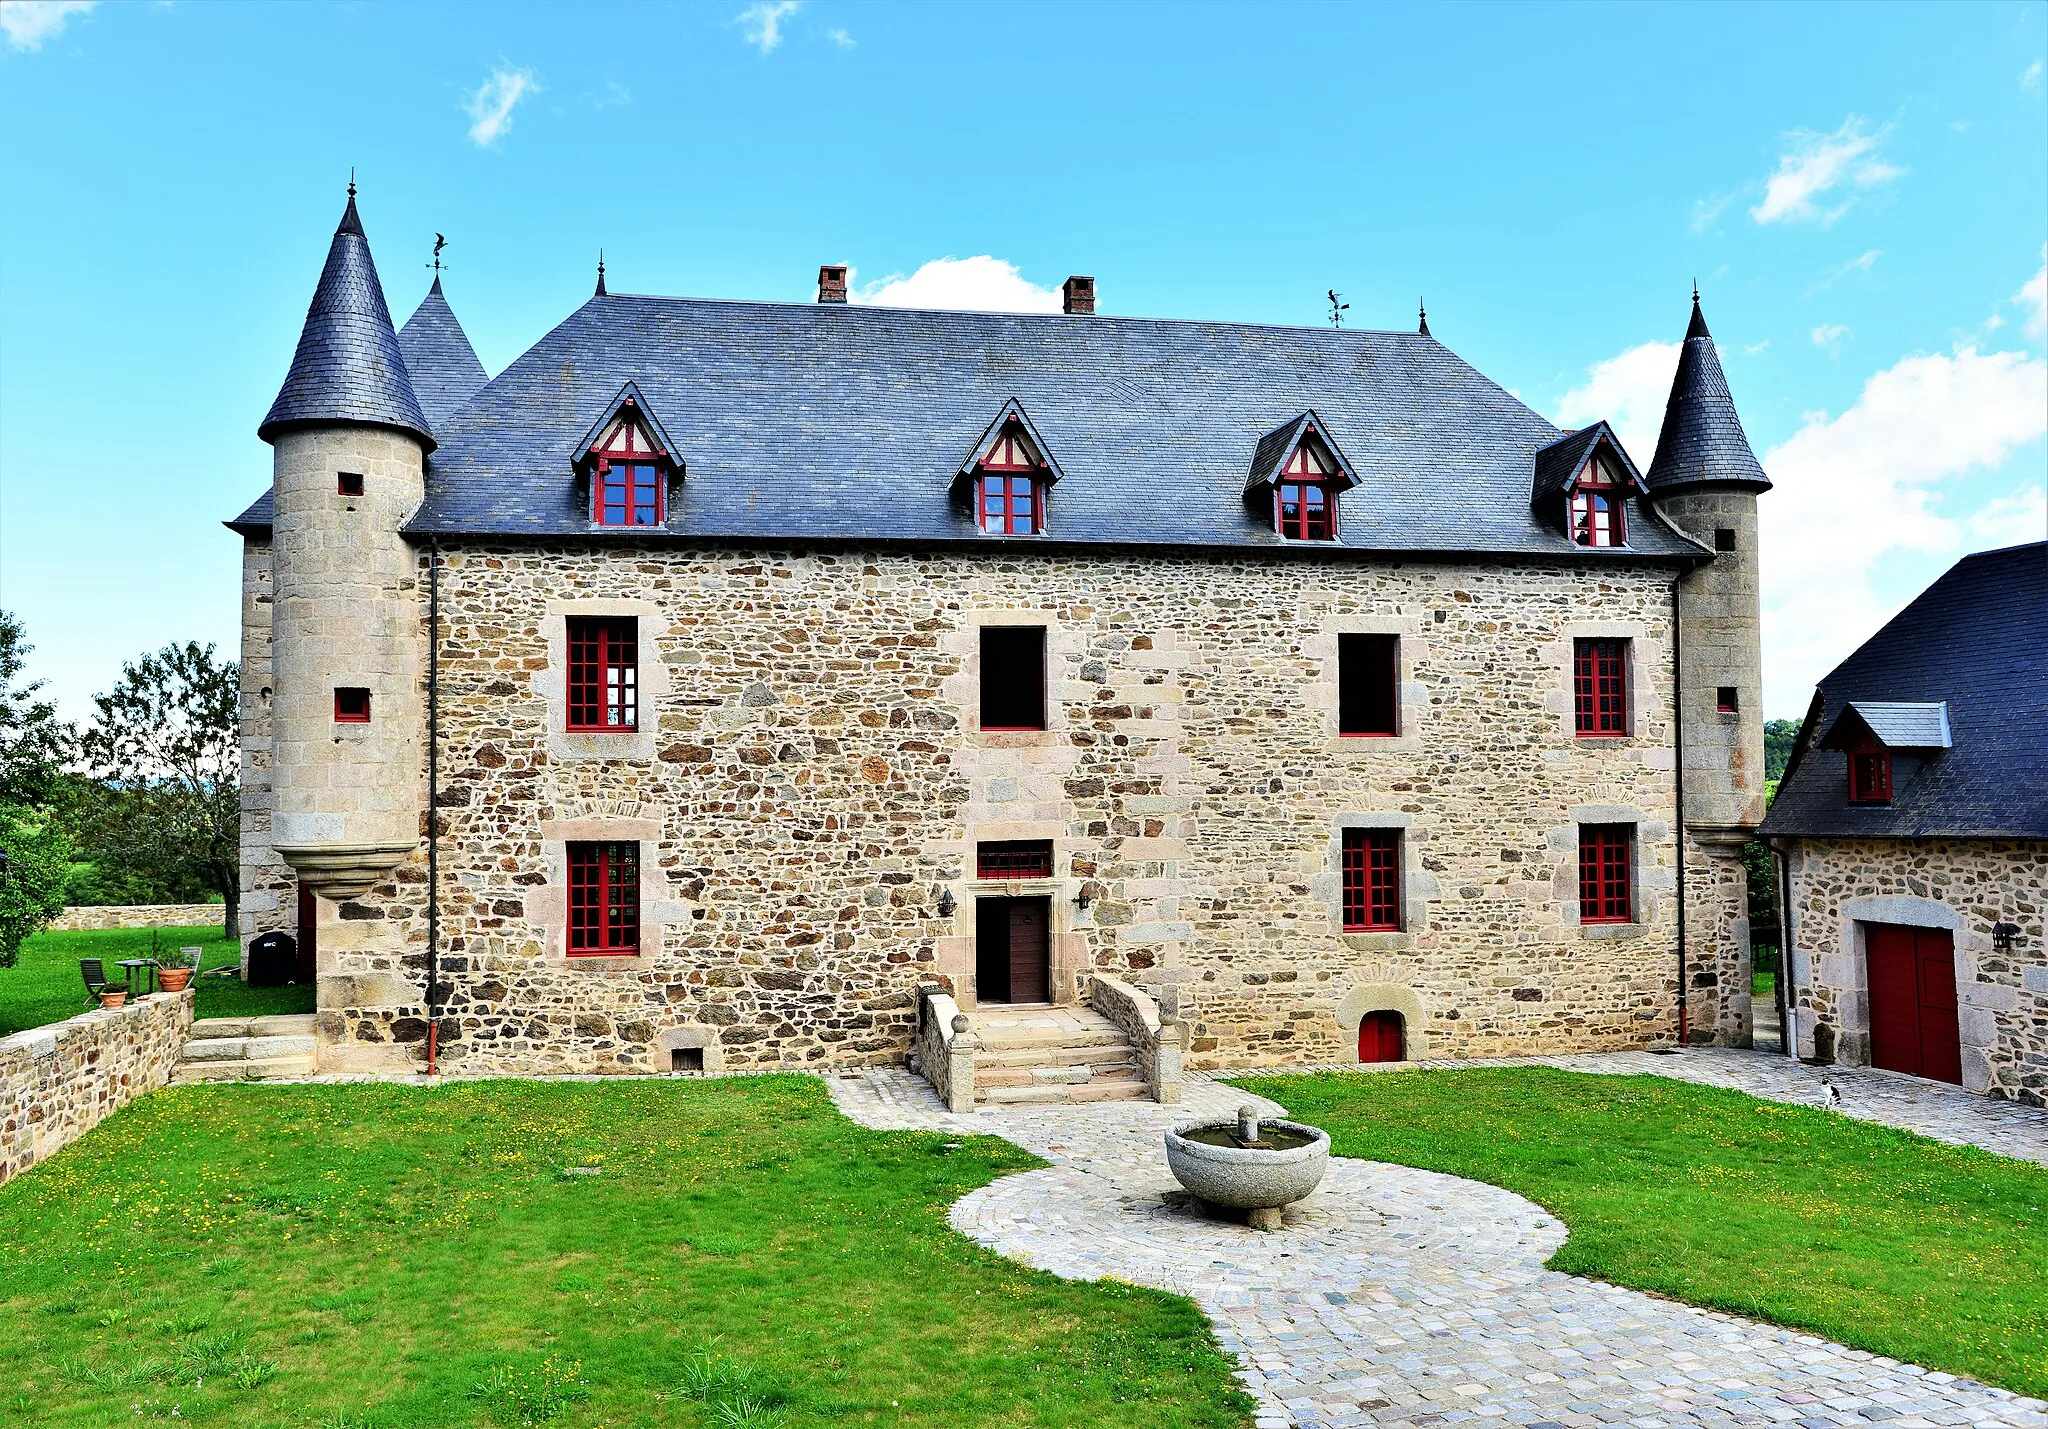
(1913, 1001)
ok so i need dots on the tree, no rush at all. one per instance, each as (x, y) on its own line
(165, 744)
(35, 846)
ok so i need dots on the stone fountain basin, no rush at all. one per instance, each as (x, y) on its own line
(1243, 1178)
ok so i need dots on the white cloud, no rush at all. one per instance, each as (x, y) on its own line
(490, 107)
(840, 38)
(1706, 210)
(27, 23)
(1629, 391)
(981, 284)
(1757, 349)
(1817, 165)
(2030, 77)
(1861, 264)
(1854, 493)
(2033, 296)
(761, 22)
(1829, 335)
(2011, 520)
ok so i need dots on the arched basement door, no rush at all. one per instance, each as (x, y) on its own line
(1379, 1037)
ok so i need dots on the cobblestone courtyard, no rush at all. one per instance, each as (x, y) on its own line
(1403, 1297)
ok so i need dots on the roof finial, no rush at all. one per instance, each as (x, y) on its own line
(1338, 308)
(351, 180)
(1422, 309)
(1695, 292)
(439, 243)
(600, 274)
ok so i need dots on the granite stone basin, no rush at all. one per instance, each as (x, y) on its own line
(1249, 1177)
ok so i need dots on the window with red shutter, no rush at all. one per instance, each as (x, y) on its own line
(1017, 858)
(1606, 873)
(604, 678)
(604, 899)
(1600, 687)
(1305, 498)
(1870, 774)
(1372, 880)
(1597, 509)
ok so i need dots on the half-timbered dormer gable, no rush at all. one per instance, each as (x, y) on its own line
(1583, 485)
(1298, 472)
(1008, 474)
(628, 462)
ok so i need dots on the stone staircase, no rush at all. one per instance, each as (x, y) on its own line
(247, 1049)
(1056, 1055)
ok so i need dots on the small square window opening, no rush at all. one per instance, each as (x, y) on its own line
(351, 706)
(349, 483)
(1724, 699)
(1012, 677)
(1024, 858)
(686, 1059)
(1724, 538)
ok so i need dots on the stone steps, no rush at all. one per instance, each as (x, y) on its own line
(248, 1049)
(1050, 1076)
(1052, 1056)
(1062, 1054)
(1116, 1091)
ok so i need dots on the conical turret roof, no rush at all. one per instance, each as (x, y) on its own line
(443, 367)
(1702, 443)
(349, 367)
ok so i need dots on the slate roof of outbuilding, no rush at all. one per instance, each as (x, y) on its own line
(1902, 724)
(443, 366)
(348, 366)
(1976, 639)
(1702, 441)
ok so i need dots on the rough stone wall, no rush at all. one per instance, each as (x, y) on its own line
(1718, 958)
(818, 779)
(1964, 885)
(136, 915)
(59, 1082)
(269, 889)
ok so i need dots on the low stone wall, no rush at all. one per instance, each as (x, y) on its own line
(945, 1054)
(1156, 1041)
(136, 915)
(59, 1082)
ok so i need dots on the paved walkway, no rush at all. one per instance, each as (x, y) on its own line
(1403, 1297)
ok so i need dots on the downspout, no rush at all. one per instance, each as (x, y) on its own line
(433, 804)
(1678, 768)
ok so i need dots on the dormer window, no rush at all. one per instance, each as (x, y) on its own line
(1597, 505)
(1305, 497)
(1870, 774)
(1010, 487)
(629, 461)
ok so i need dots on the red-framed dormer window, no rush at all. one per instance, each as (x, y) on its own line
(604, 899)
(1372, 880)
(1305, 498)
(1010, 491)
(1870, 773)
(1606, 875)
(604, 674)
(628, 485)
(1597, 506)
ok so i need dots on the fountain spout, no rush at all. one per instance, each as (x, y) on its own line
(1247, 1125)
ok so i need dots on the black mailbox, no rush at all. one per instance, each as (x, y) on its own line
(273, 960)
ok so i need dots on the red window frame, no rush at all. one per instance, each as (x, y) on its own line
(604, 899)
(1598, 517)
(604, 674)
(1727, 700)
(1606, 873)
(348, 483)
(1026, 858)
(351, 705)
(1870, 773)
(1600, 688)
(1305, 510)
(1010, 492)
(1372, 880)
(629, 482)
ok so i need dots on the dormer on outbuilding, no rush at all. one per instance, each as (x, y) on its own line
(628, 461)
(1871, 732)
(1297, 474)
(1008, 475)
(1582, 486)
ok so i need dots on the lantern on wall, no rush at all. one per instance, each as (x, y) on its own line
(2004, 936)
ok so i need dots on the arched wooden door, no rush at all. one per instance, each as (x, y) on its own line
(1380, 1037)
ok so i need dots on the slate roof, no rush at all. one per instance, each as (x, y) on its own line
(1977, 641)
(1559, 462)
(438, 358)
(1702, 442)
(348, 367)
(1274, 448)
(1013, 411)
(1900, 724)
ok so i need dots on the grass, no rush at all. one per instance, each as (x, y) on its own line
(1763, 984)
(44, 985)
(387, 1257)
(1873, 1237)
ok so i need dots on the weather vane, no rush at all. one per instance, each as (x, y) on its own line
(1337, 308)
(439, 244)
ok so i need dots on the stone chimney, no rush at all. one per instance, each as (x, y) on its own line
(1077, 296)
(832, 283)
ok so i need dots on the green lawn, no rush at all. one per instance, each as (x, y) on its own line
(44, 985)
(1763, 984)
(1873, 1237)
(369, 1255)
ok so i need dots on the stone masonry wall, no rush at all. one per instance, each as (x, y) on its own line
(269, 889)
(817, 780)
(136, 915)
(1964, 885)
(59, 1082)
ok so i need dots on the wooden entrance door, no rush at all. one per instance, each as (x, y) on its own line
(1013, 949)
(309, 942)
(1912, 978)
(1380, 1037)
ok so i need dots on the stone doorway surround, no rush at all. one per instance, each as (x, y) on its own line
(1846, 972)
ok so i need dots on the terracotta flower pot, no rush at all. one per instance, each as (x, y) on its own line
(114, 999)
(174, 979)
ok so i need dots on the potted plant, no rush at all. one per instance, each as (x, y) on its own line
(176, 972)
(112, 996)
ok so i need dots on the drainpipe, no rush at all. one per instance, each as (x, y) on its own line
(1678, 769)
(433, 804)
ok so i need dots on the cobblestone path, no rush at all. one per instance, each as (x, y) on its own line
(1403, 1297)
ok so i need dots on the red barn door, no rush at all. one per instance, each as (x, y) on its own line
(1379, 1037)
(1912, 981)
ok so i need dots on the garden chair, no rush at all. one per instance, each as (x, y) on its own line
(95, 975)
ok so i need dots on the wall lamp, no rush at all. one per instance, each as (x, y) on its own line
(947, 903)
(2004, 936)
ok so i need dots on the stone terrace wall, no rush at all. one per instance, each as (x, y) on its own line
(59, 1082)
(136, 915)
(810, 779)
(1965, 885)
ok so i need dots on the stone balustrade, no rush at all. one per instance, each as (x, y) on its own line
(1157, 1040)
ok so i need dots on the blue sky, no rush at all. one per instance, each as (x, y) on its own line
(1862, 193)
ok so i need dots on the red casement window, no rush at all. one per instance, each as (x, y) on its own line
(1597, 507)
(1870, 775)
(1605, 877)
(1023, 858)
(604, 676)
(1367, 678)
(351, 706)
(1012, 488)
(604, 899)
(627, 493)
(1304, 501)
(1600, 687)
(1372, 880)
